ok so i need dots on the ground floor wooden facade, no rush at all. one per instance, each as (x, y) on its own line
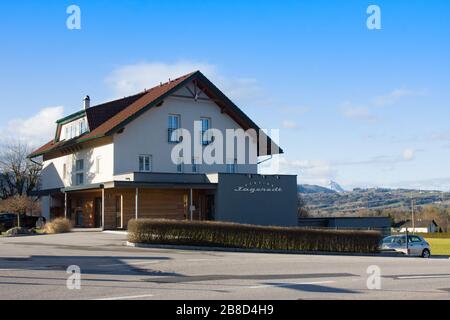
(114, 208)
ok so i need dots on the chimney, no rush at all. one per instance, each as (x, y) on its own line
(87, 102)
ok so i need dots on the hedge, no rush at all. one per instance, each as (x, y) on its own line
(232, 235)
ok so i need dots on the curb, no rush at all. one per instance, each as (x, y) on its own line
(124, 233)
(219, 249)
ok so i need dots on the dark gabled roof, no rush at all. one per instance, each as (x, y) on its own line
(108, 118)
(101, 113)
(419, 224)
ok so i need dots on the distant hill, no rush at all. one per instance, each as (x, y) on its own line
(320, 200)
(336, 187)
(308, 189)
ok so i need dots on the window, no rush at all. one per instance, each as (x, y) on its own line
(64, 171)
(83, 126)
(79, 165)
(145, 163)
(174, 124)
(195, 165)
(98, 165)
(79, 179)
(414, 239)
(232, 167)
(206, 136)
(73, 130)
(79, 176)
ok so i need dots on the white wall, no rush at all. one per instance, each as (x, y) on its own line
(148, 134)
(52, 174)
(418, 230)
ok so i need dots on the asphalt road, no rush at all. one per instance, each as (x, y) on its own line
(36, 268)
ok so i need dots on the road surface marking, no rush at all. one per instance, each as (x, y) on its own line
(423, 277)
(126, 298)
(199, 260)
(290, 284)
(129, 264)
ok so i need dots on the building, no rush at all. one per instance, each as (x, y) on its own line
(420, 226)
(114, 162)
(382, 224)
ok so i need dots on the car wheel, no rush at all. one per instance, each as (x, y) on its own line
(426, 253)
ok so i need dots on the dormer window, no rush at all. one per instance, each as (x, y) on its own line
(74, 129)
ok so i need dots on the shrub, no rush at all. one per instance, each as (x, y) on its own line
(234, 235)
(59, 225)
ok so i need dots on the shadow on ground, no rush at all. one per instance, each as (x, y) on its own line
(122, 265)
(310, 288)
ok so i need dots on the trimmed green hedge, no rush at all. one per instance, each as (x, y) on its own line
(232, 235)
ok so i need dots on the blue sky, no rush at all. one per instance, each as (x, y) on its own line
(358, 106)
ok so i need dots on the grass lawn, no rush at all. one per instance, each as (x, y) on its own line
(439, 246)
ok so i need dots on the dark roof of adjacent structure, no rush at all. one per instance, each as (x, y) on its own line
(418, 224)
(108, 118)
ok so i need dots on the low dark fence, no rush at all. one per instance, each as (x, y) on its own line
(231, 235)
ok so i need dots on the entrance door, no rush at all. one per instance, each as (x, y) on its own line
(210, 207)
(119, 212)
(98, 213)
(79, 218)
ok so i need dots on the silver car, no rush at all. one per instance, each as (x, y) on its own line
(416, 246)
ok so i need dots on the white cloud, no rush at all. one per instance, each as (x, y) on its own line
(295, 110)
(289, 124)
(357, 112)
(441, 136)
(388, 161)
(34, 130)
(308, 171)
(365, 112)
(130, 79)
(409, 154)
(396, 95)
(440, 184)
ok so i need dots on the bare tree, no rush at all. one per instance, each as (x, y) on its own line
(21, 205)
(302, 208)
(18, 174)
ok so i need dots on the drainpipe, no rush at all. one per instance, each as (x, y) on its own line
(137, 203)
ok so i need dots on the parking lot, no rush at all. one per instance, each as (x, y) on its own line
(36, 268)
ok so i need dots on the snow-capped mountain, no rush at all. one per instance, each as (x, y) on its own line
(335, 187)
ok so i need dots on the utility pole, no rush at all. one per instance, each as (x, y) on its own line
(412, 215)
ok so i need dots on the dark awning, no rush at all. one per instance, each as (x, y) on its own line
(83, 187)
